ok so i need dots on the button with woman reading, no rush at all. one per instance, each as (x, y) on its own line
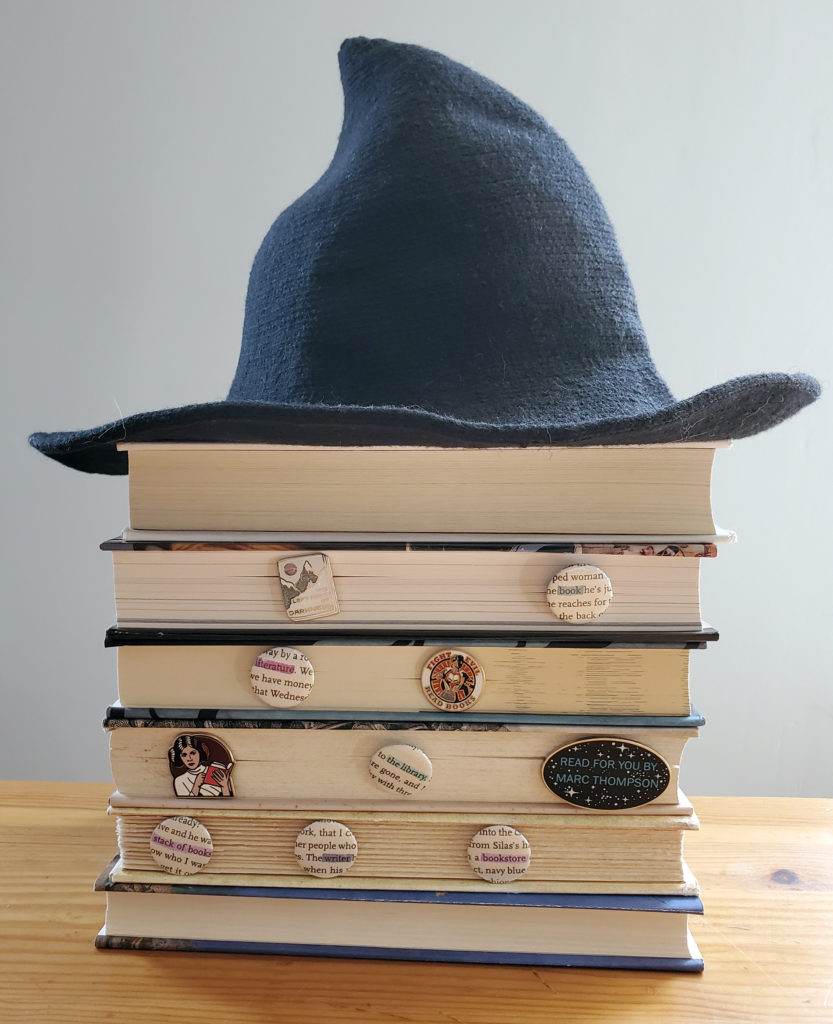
(201, 766)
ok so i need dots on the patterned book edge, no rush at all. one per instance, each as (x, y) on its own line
(692, 965)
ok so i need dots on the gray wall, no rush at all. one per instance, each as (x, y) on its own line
(148, 146)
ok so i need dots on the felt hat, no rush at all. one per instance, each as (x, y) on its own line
(452, 279)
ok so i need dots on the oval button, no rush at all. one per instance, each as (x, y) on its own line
(181, 846)
(606, 774)
(282, 676)
(452, 680)
(499, 853)
(579, 593)
(401, 769)
(326, 848)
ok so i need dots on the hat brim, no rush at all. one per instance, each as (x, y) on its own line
(737, 408)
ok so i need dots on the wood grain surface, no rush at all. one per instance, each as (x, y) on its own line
(765, 867)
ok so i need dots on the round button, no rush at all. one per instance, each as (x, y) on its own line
(401, 769)
(499, 853)
(452, 680)
(181, 846)
(326, 848)
(282, 677)
(579, 593)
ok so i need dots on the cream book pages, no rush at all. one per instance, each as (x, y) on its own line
(651, 935)
(636, 853)
(633, 489)
(687, 885)
(211, 586)
(406, 676)
(440, 765)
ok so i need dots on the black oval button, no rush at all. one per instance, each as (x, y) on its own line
(606, 774)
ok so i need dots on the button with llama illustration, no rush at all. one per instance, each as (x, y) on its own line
(452, 680)
(606, 774)
(201, 766)
(401, 769)
(326, 848)
(499, 853)
(579, 593)
(282, 677)
(181, 846)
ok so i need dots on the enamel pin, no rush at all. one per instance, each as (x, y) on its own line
(201, 766)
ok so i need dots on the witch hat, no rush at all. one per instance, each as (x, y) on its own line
(452, 279)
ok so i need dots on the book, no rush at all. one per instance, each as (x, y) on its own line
(576, 851)
(639, 932)
(627, 489)
(409, 587)
(439, 762)
(268, 671)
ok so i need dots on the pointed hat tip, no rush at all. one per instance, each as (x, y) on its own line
(359, 49)
(354, 52)
(359, 46)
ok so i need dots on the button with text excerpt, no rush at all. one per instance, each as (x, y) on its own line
(326, 848)
(499, 853)
(579, 593)
(282, 677)
(401, 769)
(181, 846)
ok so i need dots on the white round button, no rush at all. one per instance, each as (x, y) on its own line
(499, 853)
(326, 848)
(452, 680)
(579, 593)
(401, 769)
(181, 846)
(282, 677)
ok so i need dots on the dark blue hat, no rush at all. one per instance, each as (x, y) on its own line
(452, 279)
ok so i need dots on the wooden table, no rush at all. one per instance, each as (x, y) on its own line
(765, 866)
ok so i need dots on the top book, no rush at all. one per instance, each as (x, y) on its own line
(624, 489)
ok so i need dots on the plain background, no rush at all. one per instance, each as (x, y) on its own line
(147, 146)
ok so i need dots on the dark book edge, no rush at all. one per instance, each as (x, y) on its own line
(120, 636)
(688, 965)
(118, 716)
(576, 901)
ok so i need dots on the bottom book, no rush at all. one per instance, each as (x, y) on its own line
(636, 932)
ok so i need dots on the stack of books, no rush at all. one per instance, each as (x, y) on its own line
(412, 703)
